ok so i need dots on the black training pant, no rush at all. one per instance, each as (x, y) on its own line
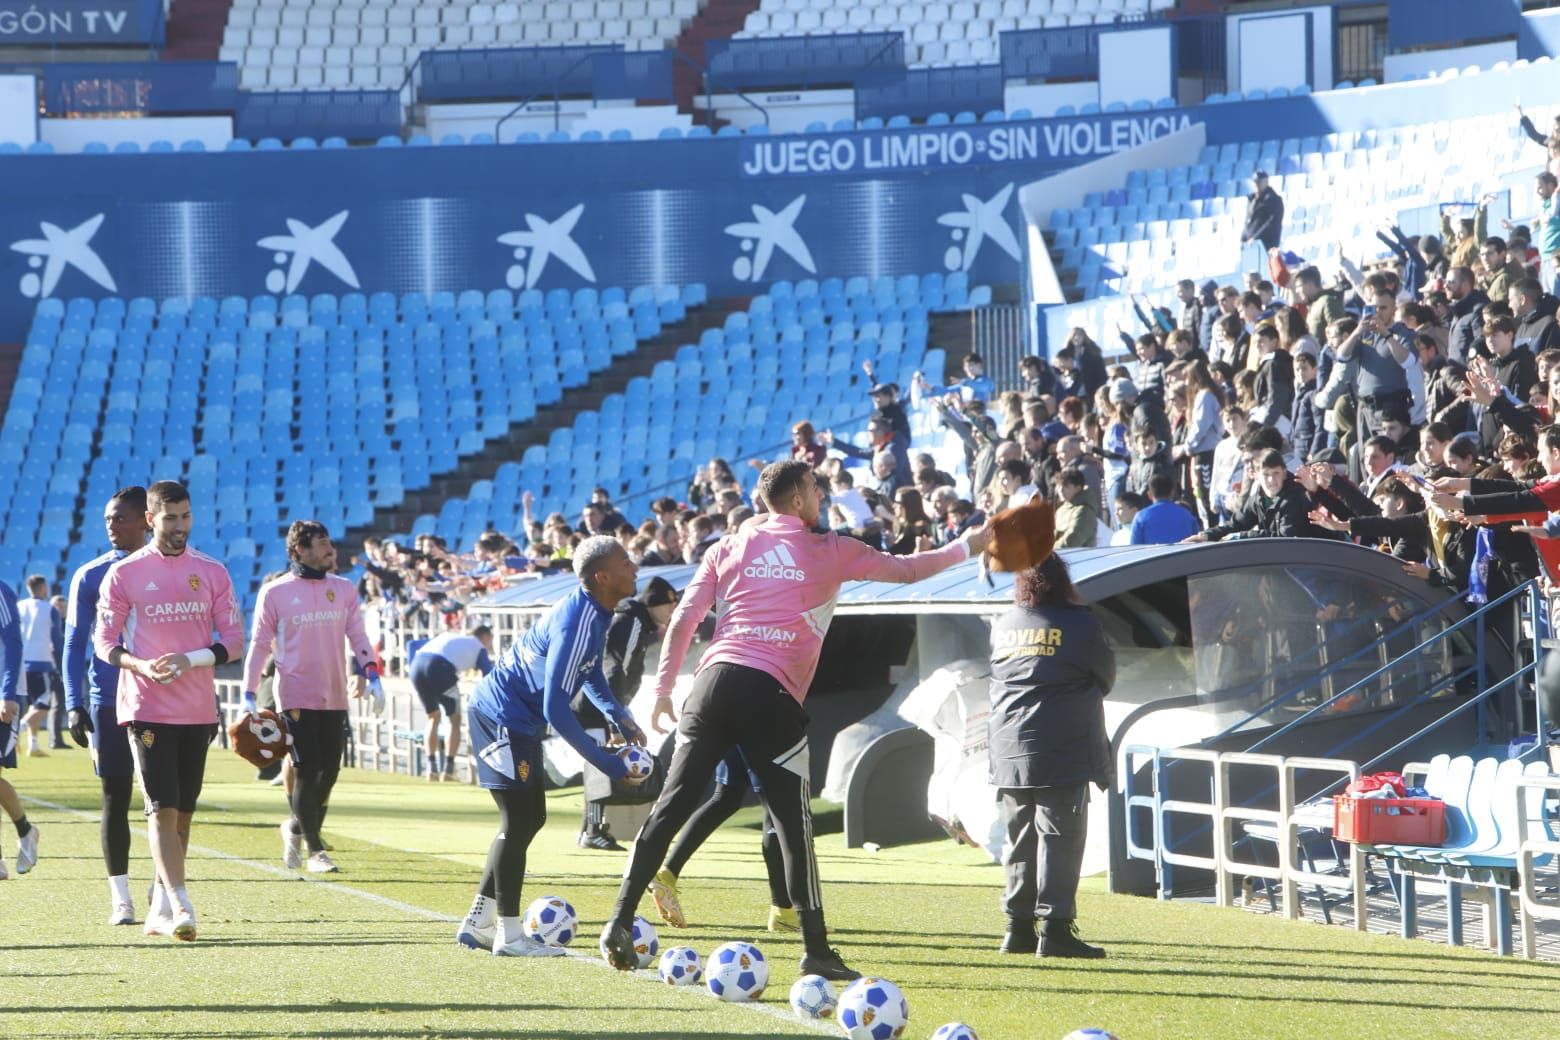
(1043, 854)
(318, 739)
(734, 706)
(521, 813)
(725, 801)
(114, 828)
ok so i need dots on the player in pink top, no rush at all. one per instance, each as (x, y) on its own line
(773, 585)
(157, 614)
(305, 622)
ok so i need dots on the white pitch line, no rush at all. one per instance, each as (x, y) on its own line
(421, 911)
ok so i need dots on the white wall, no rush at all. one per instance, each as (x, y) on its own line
(1136, 65)
(575, 116)
(71, 135)
(1399, 67)
(19, 109)
(1043, 99)
(786, 112)
(1321, 71)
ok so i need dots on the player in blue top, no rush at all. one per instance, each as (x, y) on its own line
(91, 684)
(527, 691)
(10, 723)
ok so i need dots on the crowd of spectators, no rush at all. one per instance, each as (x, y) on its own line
(1405, 405)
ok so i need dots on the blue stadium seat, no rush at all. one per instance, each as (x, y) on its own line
(872, 123)
(127, 148)
(237, 144)
(817, 126)
(389, 141)
(617, 135)
(898, 122)
(419, 141)
(43, 148)
(334, 142)
(90, 148)
(192, 145)
(938, 119)
(670, 133)
(1020, 114)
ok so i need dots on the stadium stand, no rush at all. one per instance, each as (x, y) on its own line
(1145, 234)
(353, 402)
(302, 44)
(938, 34)
(808, 342)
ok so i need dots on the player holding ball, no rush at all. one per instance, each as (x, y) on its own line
(527, 691)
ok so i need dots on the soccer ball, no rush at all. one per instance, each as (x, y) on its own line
(955, 1031)
(737, 971)
(813, 997)
(639, 761)
(551, 920)
(680, 966)
(873, 1009)
(1090, 1033)
(646, 945)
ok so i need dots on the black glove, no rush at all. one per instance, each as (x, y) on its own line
(80, 726)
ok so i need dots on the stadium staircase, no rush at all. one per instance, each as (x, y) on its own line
(718, 20)
(484, 464)
(195, 29)
(10, 362)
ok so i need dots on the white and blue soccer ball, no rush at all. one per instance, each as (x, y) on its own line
(737, 971)
(873, 1009)
(680, 966)
(955, 1031)
(639, 761)
(813, 997)
(1090, 1033)
(552, 920)
(647, 947)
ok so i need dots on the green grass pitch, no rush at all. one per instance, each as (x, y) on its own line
(369, 952)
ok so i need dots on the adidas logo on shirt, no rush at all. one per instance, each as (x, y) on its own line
(151, 586)
(776, 563)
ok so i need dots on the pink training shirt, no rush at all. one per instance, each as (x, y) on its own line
(152, 605)
(306, 624)
(776, 583)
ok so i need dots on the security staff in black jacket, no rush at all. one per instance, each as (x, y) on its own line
(636, 624)
(1051, 668)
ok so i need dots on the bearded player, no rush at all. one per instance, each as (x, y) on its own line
(304, 621)
(160, 609)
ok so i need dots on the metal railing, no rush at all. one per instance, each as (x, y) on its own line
(1532, 851)
(1000, 335)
